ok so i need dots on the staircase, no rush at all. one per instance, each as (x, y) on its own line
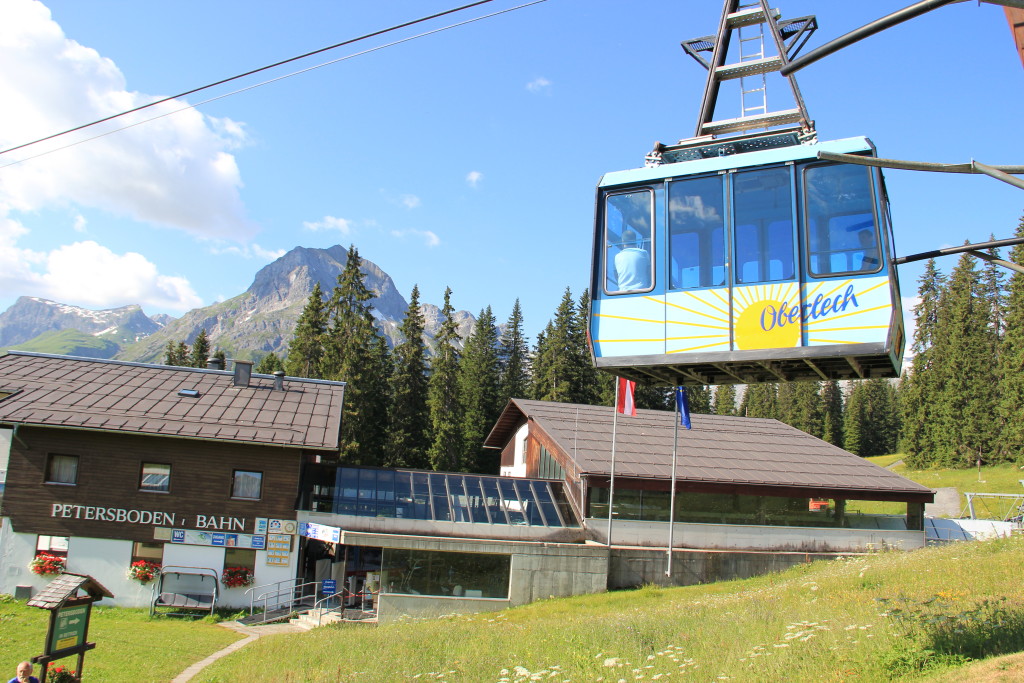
(313, 618)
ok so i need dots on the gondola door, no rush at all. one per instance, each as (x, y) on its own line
(766, 296)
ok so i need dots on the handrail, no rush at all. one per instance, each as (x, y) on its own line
(292, 588)
(344, 594)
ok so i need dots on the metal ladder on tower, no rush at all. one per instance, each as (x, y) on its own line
(751, 69)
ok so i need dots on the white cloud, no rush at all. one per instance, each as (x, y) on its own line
(175, 171)
(342, 225)
(429, 238)
(473, 178)
(79, 223)
(88, 274)
(251, 250)
(410, 201)
(539, 84)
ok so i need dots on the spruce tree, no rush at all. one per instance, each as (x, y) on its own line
(513, 355)
(306, 350)
(269, 364)
(174, 354)
(760, 400)
(967, 381)
(871, 426)
(446, 447)
(921, 385)
(1010, 406)
(725, 399)
(699, 396)
(556, 369)
(352, 354)
(200, 350)
(408, 439)
(479, 384)
(803, 408)
(832, 413)
(587, 383)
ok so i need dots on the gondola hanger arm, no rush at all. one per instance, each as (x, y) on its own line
(998, 172)
(973, 250)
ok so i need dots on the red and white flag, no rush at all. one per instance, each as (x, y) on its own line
(625, 403)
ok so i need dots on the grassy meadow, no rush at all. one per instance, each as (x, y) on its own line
(130, 646)
(883, 616)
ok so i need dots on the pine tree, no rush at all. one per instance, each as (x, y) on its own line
(479, 384)
(200, 350)
(725, 399)
(513, 355)
(269, 364)
(921, 384)
(1010, 407)
(352, 354)
(410, 419)
(306, 350)
(832, 413)
(446, 445)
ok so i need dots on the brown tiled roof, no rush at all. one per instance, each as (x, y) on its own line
(63, 391)
(65, 587)
(718, 450)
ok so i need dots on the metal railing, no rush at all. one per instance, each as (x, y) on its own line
(342, 595)
(280, 595)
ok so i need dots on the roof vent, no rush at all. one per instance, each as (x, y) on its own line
(279, 380)
(213, 363)
(243, 371)
(188, 393)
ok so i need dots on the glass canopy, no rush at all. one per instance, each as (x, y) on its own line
(448, 497)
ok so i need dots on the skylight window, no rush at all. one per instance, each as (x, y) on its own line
(188, 393)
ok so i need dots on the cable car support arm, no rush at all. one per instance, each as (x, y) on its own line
(973, 250)
(998, 172)
(898, 17)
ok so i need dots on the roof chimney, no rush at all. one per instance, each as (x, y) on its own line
(213, 363)
(279, 380)
(243, 371)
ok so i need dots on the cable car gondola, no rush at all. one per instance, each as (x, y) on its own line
(746, 259)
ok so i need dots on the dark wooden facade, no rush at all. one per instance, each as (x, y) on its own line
(106, 501)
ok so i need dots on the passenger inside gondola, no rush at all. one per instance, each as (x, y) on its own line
(633, 263)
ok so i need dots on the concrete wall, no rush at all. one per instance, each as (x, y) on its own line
(538, 570)
(762, 538)
(631, 567)
(396, 606)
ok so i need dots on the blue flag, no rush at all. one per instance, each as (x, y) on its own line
(683, 406)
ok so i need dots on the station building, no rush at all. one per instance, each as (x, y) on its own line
(110, 461)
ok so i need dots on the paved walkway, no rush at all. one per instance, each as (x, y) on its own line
(251, 633)
(947, 503)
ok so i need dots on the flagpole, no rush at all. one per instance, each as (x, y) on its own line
(672, 500)
(611, 480)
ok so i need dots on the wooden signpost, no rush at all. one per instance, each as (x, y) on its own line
(69, 618)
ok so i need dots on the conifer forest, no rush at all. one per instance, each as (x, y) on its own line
(960, 398)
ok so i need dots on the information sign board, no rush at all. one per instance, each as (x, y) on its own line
(69, 627)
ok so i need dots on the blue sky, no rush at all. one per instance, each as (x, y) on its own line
(467, 158)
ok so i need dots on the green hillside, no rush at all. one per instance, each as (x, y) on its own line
(69, 343)
(868, 618)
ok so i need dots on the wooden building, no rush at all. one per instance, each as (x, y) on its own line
(113, 462)
(742, 484)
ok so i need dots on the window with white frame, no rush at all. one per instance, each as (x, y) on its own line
(61, 469)
(246, 484)
(156, 477)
